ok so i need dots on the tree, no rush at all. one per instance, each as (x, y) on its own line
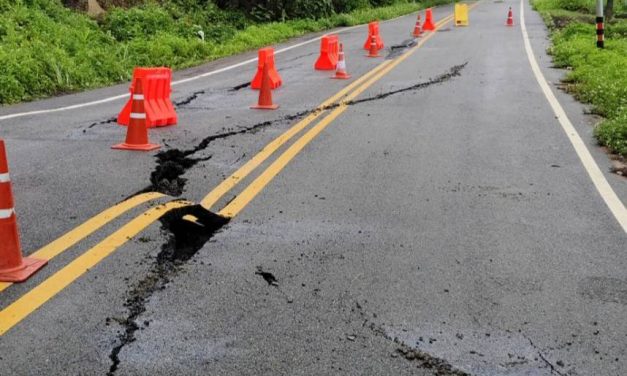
(609, 10)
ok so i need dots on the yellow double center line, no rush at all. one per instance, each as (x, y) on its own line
(40, 294)
(92, 225)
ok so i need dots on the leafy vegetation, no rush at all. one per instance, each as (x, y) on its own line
(47, 48)
(597, 76)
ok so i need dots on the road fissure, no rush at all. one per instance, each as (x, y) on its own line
(184, 240)
(173, 163)
(36, 297)
(409, 353)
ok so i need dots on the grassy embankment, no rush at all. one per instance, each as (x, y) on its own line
(596, 76)
(47, 49)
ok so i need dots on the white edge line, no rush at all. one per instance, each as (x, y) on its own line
(604, 188)
(174, 83)
(185, 80)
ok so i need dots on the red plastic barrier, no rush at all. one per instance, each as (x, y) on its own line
(373, 30)
(329, 49)
(266, 56)
(335, 47)
(159, 109)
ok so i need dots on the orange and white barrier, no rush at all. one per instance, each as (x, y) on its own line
(13, 267)
(156, 84)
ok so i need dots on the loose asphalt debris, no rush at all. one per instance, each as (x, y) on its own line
(399, 49)
(424, 360)
(267, 276)
(171, 164)
(185, 239)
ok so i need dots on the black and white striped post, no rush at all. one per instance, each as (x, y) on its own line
(600, 25)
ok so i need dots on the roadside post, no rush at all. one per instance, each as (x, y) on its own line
(600, 25)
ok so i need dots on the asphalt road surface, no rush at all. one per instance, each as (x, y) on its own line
(444, 212)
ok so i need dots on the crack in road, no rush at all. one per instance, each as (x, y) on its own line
(453, 72)
(185, 240)
(299, 57)
(174, 163)
(544, 359)
(192, 97)
(108, 121)
(424, 360)
(240, 86)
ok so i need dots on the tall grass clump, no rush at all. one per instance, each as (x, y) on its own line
(48, 49)
(596, 76)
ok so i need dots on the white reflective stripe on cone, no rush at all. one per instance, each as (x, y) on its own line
(6, 213)
(138, 97)
(4, 178)
(138, 116)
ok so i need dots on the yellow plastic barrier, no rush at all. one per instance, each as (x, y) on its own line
(461, 14)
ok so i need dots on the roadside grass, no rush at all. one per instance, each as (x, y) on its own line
(596, 76)
(47, 49)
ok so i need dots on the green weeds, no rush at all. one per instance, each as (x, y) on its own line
(47, 49)
(597, 76)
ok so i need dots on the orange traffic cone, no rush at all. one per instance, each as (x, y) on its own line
(510, 18)
(374, 51)
(265, 94)
(417, 29)
(13, 267)
(340, 72)
(428, 25)
(137, 133)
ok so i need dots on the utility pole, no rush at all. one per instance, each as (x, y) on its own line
(600, 26)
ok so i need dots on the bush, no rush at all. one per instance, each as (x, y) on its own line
(342, 6)
(46, 49)
(613, 134)
(574, 5)
(139, 22)
(597, 76)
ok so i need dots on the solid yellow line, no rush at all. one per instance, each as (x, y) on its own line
(226, 185)
(87, 228)
(36, 297)
(250, 192)
(230, 182)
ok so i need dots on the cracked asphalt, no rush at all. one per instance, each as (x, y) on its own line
(441, 225)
